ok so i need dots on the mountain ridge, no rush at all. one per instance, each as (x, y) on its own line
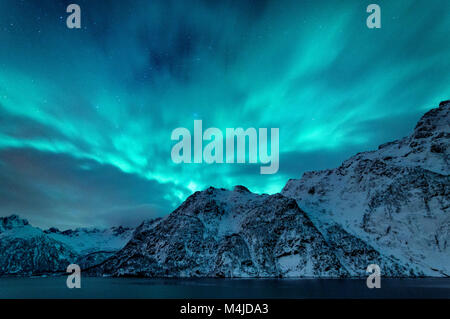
(388, 206)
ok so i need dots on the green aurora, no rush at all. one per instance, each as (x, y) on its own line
(86, 115)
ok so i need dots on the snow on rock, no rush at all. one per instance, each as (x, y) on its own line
(396, 198)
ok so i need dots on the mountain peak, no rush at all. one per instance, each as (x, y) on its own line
(433, 122)
(241, 189)
(444, 103)
(12, 221)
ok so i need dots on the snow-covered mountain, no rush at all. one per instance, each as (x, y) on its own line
(388, 207)
(396, 198)
(92, 245)
(28, 250)
(222, 233)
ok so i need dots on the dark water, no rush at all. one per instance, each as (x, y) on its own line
(55, 287)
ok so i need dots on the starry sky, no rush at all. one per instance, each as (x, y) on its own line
(86, 114)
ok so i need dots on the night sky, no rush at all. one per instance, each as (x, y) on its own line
(86, 115)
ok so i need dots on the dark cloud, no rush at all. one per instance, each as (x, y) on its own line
(22, 127)
(58, 190)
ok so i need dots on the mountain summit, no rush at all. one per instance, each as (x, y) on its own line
(11, 222)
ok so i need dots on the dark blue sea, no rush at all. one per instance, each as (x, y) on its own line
(55, 287)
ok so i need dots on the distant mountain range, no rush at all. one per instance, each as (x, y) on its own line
(27, 250)
(388, 207)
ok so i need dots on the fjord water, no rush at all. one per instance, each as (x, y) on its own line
(55, 287)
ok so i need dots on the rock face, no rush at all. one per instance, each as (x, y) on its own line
(355, 255)
(396, 198)
(221, 233)
(27, 250)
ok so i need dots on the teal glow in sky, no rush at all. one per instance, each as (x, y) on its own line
(86, 115)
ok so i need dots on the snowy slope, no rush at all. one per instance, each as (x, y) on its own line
(396, 198)
(89, 240)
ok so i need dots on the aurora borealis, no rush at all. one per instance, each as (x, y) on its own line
(86, 115)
